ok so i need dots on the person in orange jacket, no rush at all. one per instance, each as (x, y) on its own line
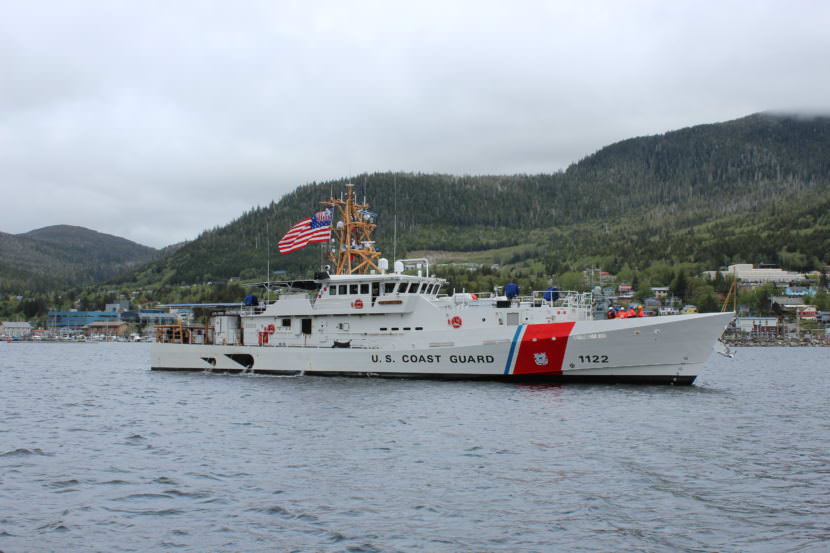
(631, 312)
(640, 312)
(621, 314)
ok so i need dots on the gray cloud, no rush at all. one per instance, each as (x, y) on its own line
(155, 121)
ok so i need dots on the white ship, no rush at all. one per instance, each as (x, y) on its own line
(364, 319)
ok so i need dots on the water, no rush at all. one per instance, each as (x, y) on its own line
(99, 454)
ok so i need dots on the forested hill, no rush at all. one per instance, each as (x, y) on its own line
(62, 256)
(745, 190)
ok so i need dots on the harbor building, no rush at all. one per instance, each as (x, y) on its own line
(14, 329)
(750, 274)
(77, 320)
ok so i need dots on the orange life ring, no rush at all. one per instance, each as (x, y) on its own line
(358, 303)
(271, 329)
(455, 321)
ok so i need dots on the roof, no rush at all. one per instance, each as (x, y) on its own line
(106, 324)
(15, 324)
(787, 300)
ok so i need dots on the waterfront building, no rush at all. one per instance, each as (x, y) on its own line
(15, 329)
(118, 306)
(150, 316)
(750, 274)
(79, 319)
(758, 326)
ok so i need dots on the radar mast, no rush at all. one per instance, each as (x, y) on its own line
(355, 251)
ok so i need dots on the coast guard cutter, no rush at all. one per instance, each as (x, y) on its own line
(362, 318)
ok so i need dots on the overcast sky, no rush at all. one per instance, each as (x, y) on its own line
(157, 120)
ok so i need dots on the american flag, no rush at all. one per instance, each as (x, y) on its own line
(316, 228)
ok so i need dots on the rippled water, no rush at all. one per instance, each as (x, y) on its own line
(97, 453)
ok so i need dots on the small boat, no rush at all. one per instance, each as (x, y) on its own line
(359, 317)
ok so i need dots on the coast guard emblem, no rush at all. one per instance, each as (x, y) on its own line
(541, 359)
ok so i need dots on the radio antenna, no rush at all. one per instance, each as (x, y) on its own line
(268, 264)
(395, 224)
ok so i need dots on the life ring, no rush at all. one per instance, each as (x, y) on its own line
(455, 321)
(358, 303)
(271, 329)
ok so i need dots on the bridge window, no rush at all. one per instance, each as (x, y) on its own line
(343, 289)
(389, 288)
(364, 288)
(353, 288)
(333, 291)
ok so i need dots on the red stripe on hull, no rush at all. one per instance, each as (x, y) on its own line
(542, 349)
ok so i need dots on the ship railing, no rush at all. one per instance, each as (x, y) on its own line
(568, 299)
(249, 310)
(183, 334)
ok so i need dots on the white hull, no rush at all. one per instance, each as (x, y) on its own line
(654, 349)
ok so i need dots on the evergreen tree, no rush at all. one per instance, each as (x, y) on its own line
(679, 284)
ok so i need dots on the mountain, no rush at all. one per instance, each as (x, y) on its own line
(63, 256)
(756, 189)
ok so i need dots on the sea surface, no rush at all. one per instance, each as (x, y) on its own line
(97, 453)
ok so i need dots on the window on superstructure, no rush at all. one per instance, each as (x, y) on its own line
(413, 287)
(343, 289)
(286, 323)
(333, 291)
(353, 288)
(389, 288)
(364, 288)
(421, 288)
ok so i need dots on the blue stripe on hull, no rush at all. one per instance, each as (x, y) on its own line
(512, 349)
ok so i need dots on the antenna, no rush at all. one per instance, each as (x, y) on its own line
(395, 223)
(268, 249)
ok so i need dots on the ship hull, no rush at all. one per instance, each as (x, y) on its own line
(649, 350)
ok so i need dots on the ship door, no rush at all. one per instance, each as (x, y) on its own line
(306, 326)
(375, 291)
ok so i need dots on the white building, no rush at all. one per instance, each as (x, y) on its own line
(746, 272)
(758, 325)
(13, 329)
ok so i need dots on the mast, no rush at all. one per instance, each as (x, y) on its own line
(355, 251)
